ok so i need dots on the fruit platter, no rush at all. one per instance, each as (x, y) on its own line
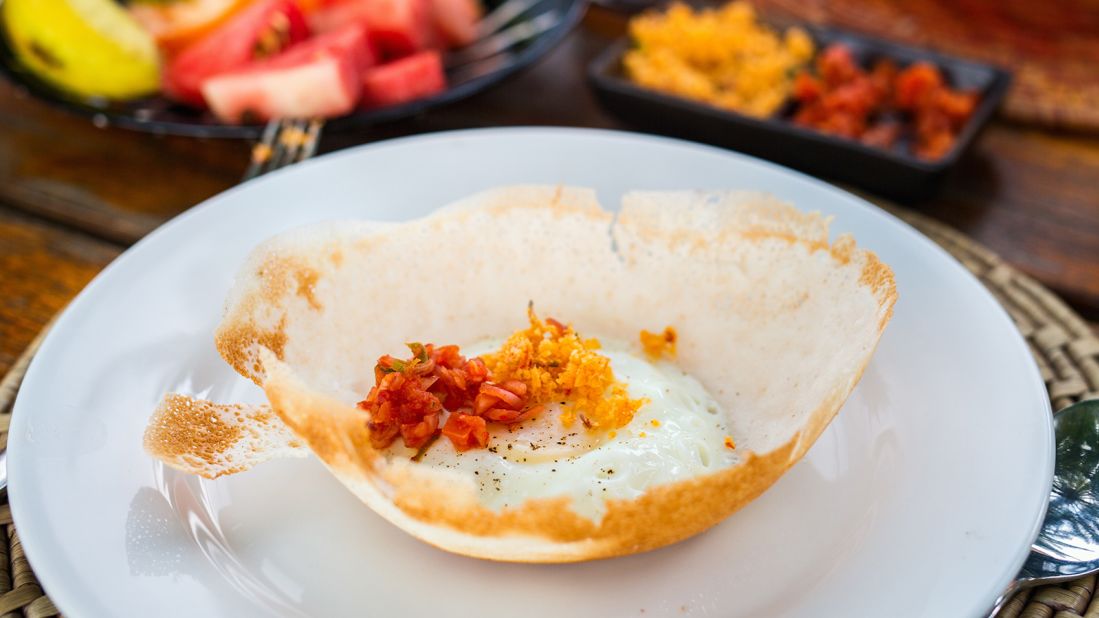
(223, 68)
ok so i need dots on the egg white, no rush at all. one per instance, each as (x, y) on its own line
(543, 459)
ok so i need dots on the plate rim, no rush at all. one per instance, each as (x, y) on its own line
(35, 538)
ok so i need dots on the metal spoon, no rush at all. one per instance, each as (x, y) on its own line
(1067, 546)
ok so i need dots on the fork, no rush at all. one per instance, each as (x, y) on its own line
(286, 141)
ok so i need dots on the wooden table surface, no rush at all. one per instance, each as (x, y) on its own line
(73, 196)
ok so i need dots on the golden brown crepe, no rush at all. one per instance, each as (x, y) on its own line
(776, 322)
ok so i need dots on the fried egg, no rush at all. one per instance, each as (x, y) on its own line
(679, 433)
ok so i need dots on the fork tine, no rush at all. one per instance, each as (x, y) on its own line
(482, 67)
(264, 149)
(504, 40)
(502, 16)
(284, 142)
(290, 140)
(312, 137)
(278, 155)
(279, 152)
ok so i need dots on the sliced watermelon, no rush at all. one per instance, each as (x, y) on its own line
(397, 27)
(337, 14)
(410, 78)
(351, 41)
(400, 27)
(455, 21)
(318, 78)
(261, 30)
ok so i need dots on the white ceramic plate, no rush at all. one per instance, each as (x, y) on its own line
(921, 498)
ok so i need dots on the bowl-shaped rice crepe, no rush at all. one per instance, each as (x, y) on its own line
(774, 328)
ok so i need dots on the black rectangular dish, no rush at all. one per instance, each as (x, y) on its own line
(893, 172)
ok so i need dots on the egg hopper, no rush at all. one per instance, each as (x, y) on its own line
(775, 320)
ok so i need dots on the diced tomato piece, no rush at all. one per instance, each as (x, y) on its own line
(836, 65)
(856, 97)
(447, 356)
(806, 87)
(260, 31)
(882, 76)
(404, 80)
(400, 402)
(458, 380)
(476, 371)
(455, 21)
(958, 106)
(383, 434)
(915, 83)
(396, 27)
(466, 431)
(411, 394)
(321, 85)
(416, 435)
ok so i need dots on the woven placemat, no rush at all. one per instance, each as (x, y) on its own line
(1065, 348)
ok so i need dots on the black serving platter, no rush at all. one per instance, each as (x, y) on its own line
(893, 172)
(158, 114)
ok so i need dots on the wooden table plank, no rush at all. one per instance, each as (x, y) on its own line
(43, 267)
(1030, 195)
(1033, 197)
(116, 184)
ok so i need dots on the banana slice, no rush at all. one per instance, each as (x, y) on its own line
(91, 48)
